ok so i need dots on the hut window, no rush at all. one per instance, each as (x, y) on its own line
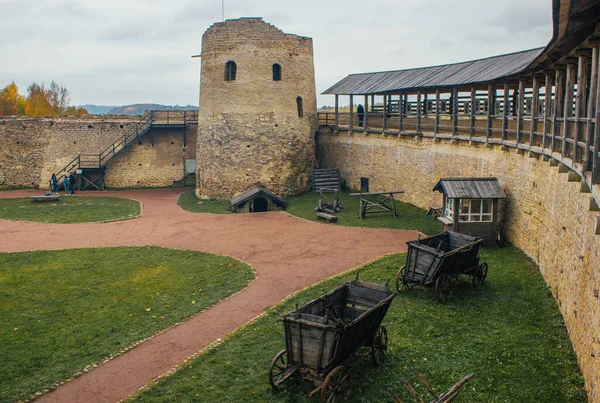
(276, 72)
(300, 107)
(475, 210)
(230, 71)
(449, 209)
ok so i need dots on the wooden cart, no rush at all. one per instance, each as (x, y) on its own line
(438, 260)
(322, 334)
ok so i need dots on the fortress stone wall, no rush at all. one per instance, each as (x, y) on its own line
(249, 128)
(31, 149)
(548, 217)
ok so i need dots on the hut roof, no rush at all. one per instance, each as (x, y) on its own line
(257, 191)
(447, 75)
(470, 188)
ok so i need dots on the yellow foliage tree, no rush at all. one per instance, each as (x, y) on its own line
(11, 103)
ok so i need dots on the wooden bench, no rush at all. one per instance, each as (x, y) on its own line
(44, 198)
(328, 217)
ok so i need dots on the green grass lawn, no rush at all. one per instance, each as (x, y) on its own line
(509, 333)
(409, 216)
(63, 310)
(189, 202)
(69, 209)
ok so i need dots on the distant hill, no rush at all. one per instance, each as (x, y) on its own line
(135, 109)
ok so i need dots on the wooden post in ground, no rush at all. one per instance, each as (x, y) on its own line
(351, 117)
(385, 111)
(419, 106)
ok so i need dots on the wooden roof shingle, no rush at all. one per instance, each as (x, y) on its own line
(447, 75)
(470, 188)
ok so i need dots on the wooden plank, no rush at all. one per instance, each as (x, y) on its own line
(351, 117)
(588, 159)
(491, 109)
(418, 129)
(558, 108)
(568, 109)
(520, 111)
(337, 114)
(505, 113)
(436, 125)
(534, 111)
(472, 120)
(366, 119)
(546, 125)
(385, 111)
(454, 111)
(579, 104)
(596, 164)
(377, 193)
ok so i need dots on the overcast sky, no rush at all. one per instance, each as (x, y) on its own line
(110, 52)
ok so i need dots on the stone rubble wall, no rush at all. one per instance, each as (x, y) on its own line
(547, 216)
(33, 148)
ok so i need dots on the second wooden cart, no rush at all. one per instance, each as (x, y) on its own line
(322, 334)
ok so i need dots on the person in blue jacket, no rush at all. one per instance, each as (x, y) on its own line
(67, 186)
(54, 184)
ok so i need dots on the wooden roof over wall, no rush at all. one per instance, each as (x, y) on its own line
(470, 188)
(258, 191)
(447, 75)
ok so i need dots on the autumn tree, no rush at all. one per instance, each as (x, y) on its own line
(11, 103)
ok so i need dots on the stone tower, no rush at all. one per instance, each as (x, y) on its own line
(258, 110)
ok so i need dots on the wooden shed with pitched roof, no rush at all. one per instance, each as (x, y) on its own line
(471, 206)
(257, 200)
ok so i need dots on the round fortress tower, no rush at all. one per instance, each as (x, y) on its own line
(258, 112)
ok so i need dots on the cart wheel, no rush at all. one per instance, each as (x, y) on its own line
(443, 292)
(480, 274)
(277, 369)
(401, 282)
(379, 346)
(336, 386)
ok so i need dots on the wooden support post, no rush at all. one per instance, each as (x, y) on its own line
(505, 113)
(534, 111)
(559, 95)
(491, 109)
(588, 156)
(520, 111)
(596, 165)
(568, 109)
(472, 119)
(385, 111)
(579, 104)
(401, 112)
(351, 117)
(337, 115)
(419, 106)
(546, 126)
(366, 118)
(436, 124)
(454, 111)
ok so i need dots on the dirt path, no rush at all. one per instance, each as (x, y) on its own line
(288, 254)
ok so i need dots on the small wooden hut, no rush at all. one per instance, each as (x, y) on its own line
(471, 206)
(257, 200)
